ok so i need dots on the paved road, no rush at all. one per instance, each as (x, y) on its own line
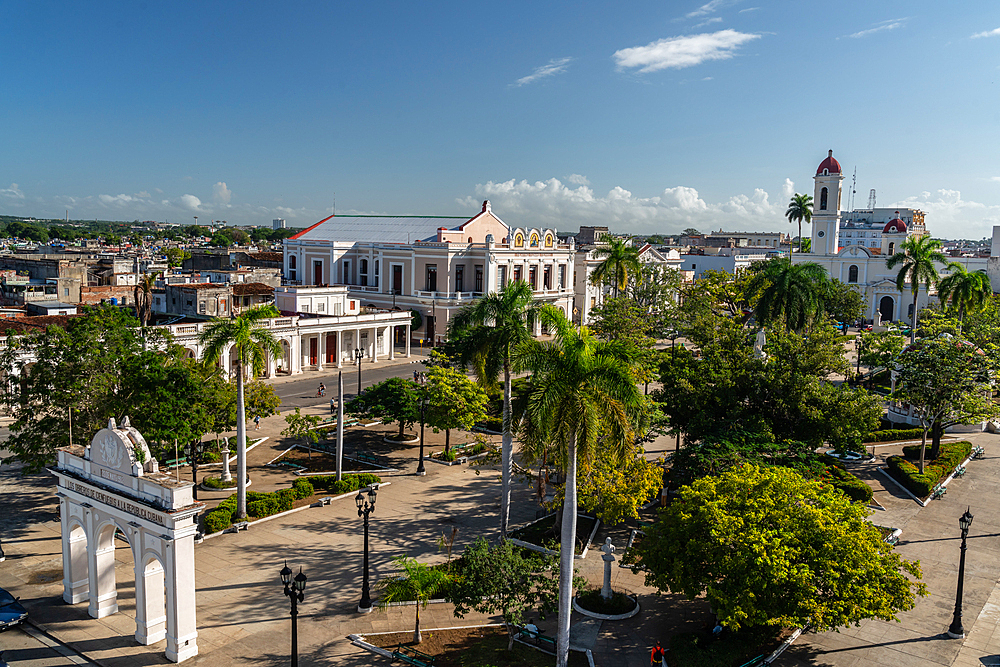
(300, 391)
(26, 647)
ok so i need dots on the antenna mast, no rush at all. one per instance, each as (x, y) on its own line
(854, 187)
(871, 200)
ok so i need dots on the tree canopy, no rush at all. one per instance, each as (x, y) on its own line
(767, 547)
(454, 401)
(393, 400)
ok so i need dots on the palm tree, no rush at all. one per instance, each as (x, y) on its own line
(253, 345)
(915, 259)
(621, 262)
(417, 582)
(967, 291)
(487, 333)
(799, 209)
(790, 294)
(143, 293)
(583, 389)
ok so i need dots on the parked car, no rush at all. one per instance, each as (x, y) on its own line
(11, 611)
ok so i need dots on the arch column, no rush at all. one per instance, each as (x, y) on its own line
(408, 340)
(182, 631)
(391, 336)
(76, 580)
(375, 345)
(320, 350)
(340, 348)
(101, 569)
(150, 598)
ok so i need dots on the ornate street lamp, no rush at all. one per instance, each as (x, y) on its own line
(857, 347)
(294, 589)
(956, 631)
(194, 450)
(366, 506)
(359, 354)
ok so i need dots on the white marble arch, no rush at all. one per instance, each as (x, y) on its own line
(113, 486)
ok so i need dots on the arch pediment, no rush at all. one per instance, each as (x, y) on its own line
(854, 251)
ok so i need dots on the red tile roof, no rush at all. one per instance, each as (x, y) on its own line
(248, 289)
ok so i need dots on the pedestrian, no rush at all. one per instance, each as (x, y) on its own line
(658, 656)
(416, 376)
(256, 422)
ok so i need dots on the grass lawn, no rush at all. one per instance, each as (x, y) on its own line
(473, 647)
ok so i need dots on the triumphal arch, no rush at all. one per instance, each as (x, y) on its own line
(111, 488)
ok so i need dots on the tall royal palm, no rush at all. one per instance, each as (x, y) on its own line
(253, 345)
(789, 294)
(583, 389)
(799, 209)
(621, 261)
(487, 333)
(967, 291)
(916, 261)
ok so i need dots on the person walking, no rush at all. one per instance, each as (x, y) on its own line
(658, 657)
(256, 423)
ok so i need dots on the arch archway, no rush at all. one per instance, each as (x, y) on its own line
(852, 274)
(886, 308)
(823, 196)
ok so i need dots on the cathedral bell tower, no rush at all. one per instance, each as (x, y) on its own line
(826, 207)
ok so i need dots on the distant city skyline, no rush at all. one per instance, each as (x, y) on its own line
(648, 118)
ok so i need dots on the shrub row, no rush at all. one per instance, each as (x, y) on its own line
(260, 505)
(921, 485)
(855, 489)
(217, 483)
(891, 434)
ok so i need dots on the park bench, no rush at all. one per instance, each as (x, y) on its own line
(960, 471)
(367, 457)
(759, 660)
(978, 452)
(412, 656)
(175, 463)
(939, 491)
(539, 639)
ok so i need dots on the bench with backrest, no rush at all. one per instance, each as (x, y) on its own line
(939, 491)
(960, 471)
(412, 656)
(538, 638)
(978, 452)
(368, 457)
(175, 463)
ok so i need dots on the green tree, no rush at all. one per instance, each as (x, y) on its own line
(415, 582)
(501, 579)
(767, 547)
(487, 333)
(453, 401)
(965, 290)
(916, 260)
(176, 256)
(253, 344)
(799, 209)
(621, 260)
(842, 302)
(617, 484)
(392, 400)
(947, 381)
(144, 297)
(880, 349)
(259, 400)
(100, 371)
(624, 321)
(789, 294)
(302, 426)
(583, 389)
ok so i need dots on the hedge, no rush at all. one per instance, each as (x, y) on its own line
(891, 434)
(855, 488)
(921, 485)
(260, 505)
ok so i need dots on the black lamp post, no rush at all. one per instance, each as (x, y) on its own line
(366, 506)
(423, 406)
(194, 450)
(294, 590)
(359, 354)
(857, 347)
(956, 631)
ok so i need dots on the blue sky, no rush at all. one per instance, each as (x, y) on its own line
(646, 116)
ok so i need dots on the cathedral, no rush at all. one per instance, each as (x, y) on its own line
(853, 247)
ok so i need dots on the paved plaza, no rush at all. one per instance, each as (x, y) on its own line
(243, 616)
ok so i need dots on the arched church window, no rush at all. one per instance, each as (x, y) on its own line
(823, 195)
(892, 247)
(852, 274)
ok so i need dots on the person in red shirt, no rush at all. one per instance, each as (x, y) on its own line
(658, 657)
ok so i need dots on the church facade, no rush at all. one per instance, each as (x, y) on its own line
(854, 246)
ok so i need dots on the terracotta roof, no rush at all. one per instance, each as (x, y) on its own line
(35, 322)
(829, 163)
(197, 286)
(267, 256)
(247, 289)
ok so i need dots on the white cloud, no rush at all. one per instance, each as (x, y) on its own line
(749, 9)
(190, 202)
(950, 216)
(788, 189)
(577, 179)
(142, 194)
(709, 8)
(221, 193)
(13, 192)
(555, 66)
(890, 24)
(708, 78)
(714, 19)
(117, 200)
(553, 203)
(988, 33)
(679, 52)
